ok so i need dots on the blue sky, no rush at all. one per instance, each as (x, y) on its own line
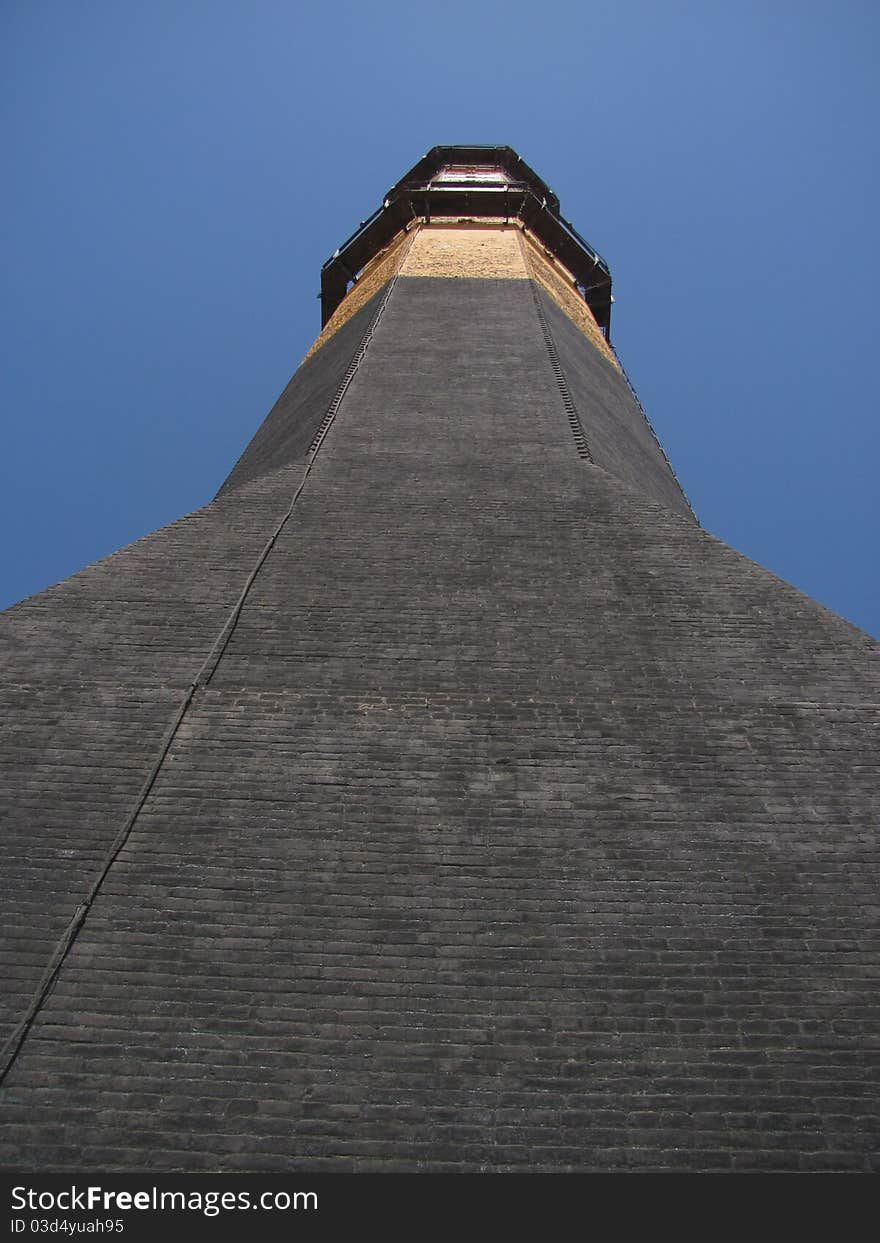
(177, 172)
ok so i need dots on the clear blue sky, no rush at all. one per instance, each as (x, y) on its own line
(162, 241)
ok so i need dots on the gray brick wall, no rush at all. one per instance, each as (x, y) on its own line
(522, 826)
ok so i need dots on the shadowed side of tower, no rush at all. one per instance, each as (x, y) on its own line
(513, 822)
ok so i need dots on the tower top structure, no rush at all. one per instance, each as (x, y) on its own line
(470, 184)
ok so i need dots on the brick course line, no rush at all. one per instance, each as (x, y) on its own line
(16, 1040)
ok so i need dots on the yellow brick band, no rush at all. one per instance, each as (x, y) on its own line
(466, 250)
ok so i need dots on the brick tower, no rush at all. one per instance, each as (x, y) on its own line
(441, 796)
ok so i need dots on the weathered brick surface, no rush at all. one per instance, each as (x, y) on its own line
(523, 825)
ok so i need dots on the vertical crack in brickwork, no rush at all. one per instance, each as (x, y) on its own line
(66, 941)
(574, 419)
